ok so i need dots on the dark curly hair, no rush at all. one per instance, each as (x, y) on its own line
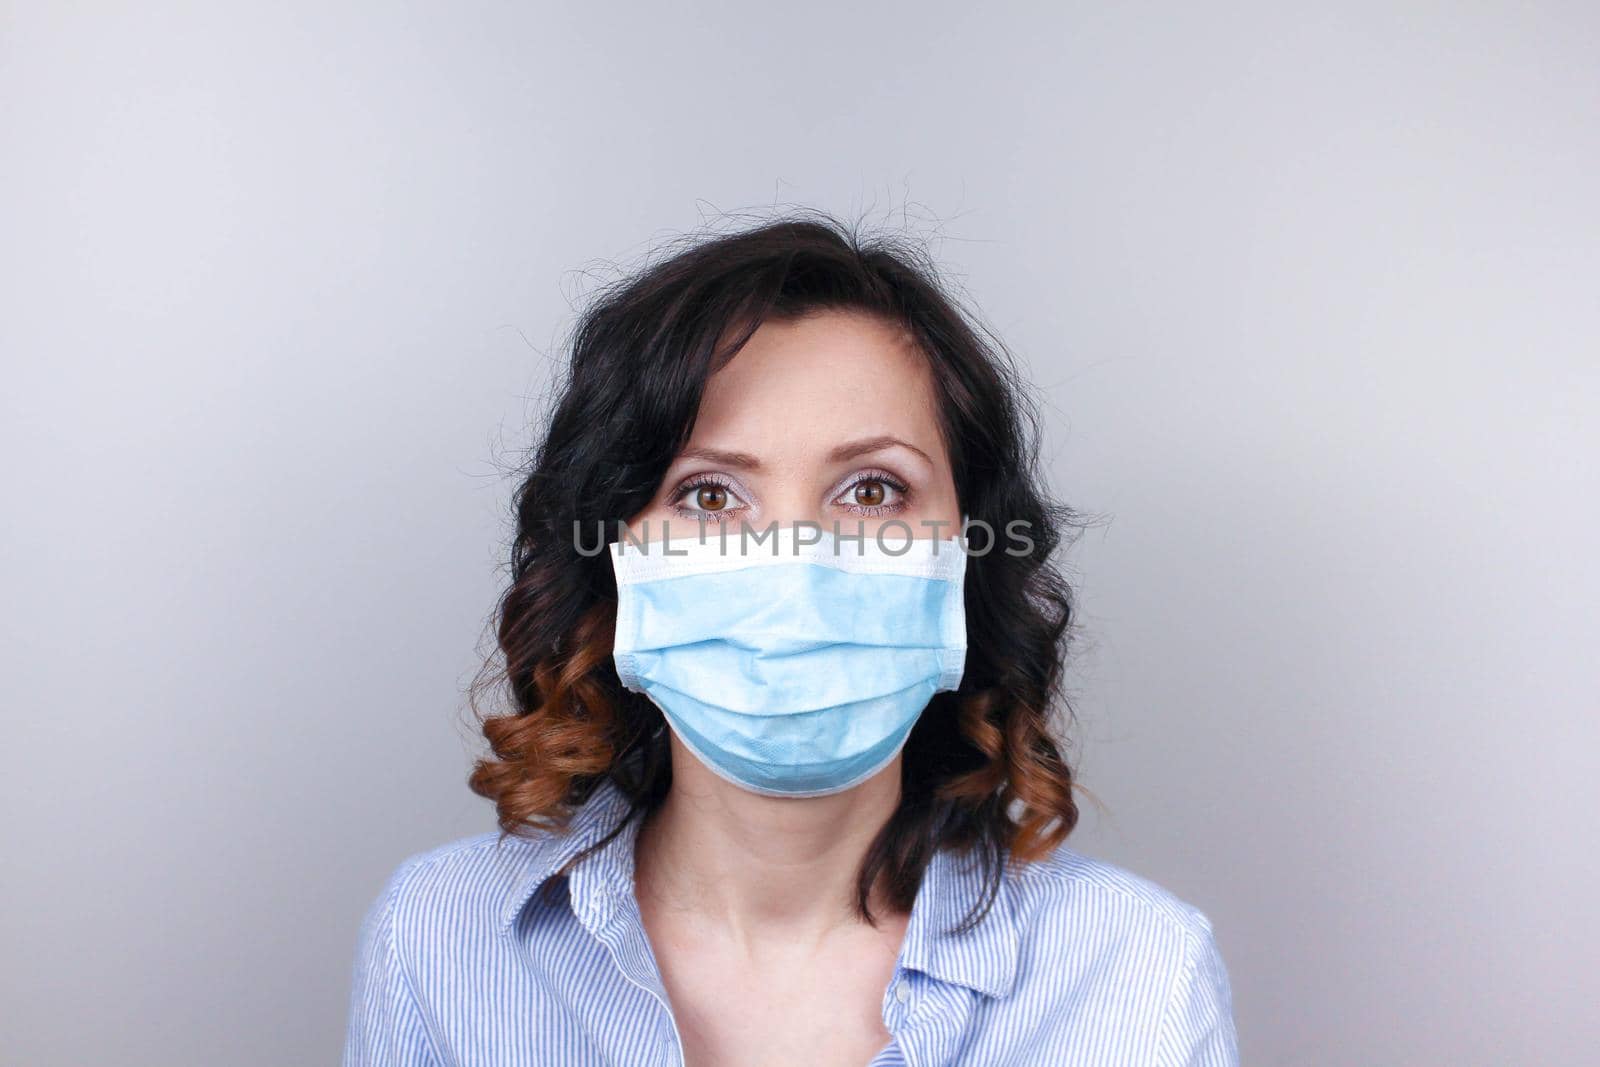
(982, 770)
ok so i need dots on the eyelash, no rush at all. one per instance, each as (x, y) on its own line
(700, 481)
(705, 481)
(886, 478)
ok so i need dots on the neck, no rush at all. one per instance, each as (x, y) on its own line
(760, 866)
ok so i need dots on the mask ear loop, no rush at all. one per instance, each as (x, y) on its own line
(961, 539)
(954, 654)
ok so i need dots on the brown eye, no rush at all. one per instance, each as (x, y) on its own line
(870, 493)
(711, 498)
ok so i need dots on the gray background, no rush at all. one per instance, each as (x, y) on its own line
(1310, 297)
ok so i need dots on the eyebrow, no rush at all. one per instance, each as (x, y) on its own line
(741, 460)
(851, 449)
(840, 454)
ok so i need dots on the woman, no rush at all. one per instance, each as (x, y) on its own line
(795, 804)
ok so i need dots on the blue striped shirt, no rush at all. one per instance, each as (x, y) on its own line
(461, 963)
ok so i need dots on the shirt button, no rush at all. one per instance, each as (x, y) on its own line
(902, 992)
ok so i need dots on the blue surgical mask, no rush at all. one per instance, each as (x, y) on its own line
(795, 666)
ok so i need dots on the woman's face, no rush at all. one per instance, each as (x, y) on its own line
(827, 419)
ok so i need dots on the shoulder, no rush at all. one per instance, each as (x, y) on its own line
(1110, 952)
(1069, 877)
(1078, 915)
(464, 881)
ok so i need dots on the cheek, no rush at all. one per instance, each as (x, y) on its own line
(659, 518)
(936, 502)
(945, 504)
(651, 518)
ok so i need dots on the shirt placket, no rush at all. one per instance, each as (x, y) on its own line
(607, 909)
(927, 1019)
(624, 939)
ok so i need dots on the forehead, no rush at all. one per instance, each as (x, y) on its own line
(824, 375)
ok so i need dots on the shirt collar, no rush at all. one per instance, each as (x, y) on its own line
(598, 877)
(983, 958)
